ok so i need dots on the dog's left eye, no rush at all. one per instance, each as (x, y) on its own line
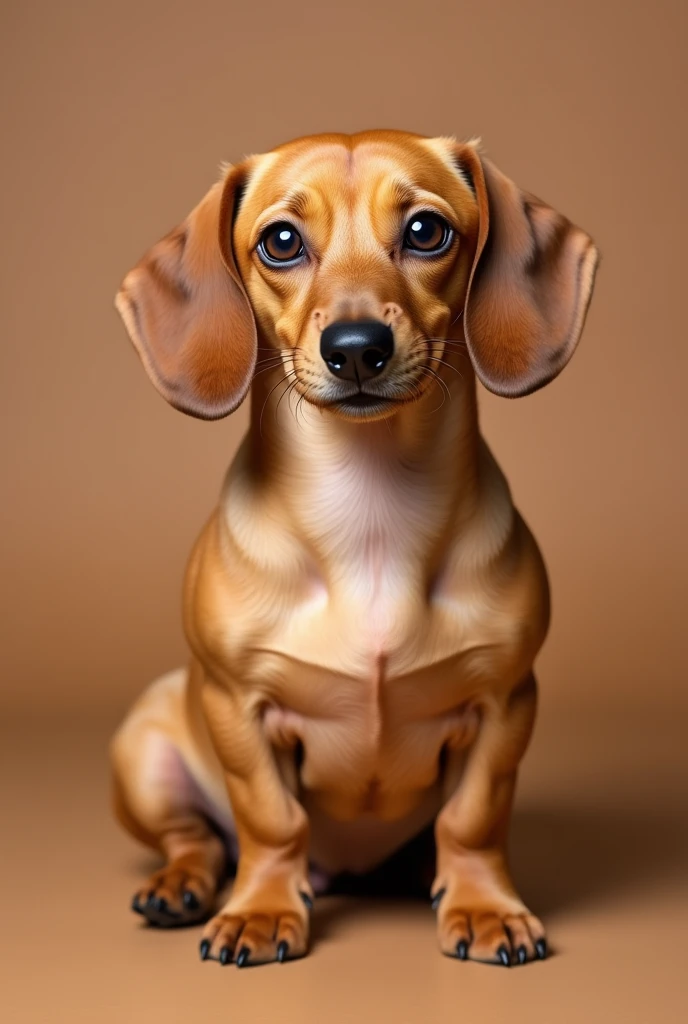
(280, 243)
(427, 232)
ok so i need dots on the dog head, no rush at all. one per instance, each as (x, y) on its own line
(356, 258)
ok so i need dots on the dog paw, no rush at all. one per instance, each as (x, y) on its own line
(256, 937)
(174, 897)
(498, 934)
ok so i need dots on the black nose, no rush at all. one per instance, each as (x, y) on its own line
(357, 350)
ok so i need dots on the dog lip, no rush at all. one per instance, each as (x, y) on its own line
(362, 399)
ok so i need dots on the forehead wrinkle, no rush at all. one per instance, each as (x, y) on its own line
(306, 166)
(401, 193)
(301, 200)
(285, 175)
(374, 194)
(425, 163)
(398, 179)
(394, 196)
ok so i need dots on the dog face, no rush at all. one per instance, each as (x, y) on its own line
(355, 256)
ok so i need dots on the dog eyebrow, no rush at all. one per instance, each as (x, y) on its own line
(403, 192)
(297, 201)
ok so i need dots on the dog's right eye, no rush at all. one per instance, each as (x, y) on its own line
(280, 243)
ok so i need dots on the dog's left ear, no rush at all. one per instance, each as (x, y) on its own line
(530, 285)
(187, 313)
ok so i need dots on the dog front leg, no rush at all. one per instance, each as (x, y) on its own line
(480, 915)
(266, 917)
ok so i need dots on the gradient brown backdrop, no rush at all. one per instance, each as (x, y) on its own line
(116, 118)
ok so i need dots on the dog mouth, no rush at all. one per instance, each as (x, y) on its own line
(404, 386)
(362, 403)
(362, 400)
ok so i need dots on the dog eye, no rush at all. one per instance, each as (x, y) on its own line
(427, 232)
(280, 243)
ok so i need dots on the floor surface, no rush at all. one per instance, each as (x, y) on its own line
(600, 851)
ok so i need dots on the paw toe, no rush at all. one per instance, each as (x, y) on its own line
(190, 900)
(172, 898)
(491, 937)
(253, 939)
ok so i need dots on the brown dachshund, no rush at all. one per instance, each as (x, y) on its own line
(365, 605)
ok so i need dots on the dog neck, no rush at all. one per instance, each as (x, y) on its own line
(309, 483)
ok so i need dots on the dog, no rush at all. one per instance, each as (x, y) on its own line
(365, 604)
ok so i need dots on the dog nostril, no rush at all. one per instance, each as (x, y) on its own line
(375, 359)
(336, 361)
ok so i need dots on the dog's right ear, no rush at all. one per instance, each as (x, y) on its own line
(187, 313)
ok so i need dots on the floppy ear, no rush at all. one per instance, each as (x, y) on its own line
(186, 311)
(530, 285)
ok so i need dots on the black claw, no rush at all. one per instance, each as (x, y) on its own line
(282, 951)
(436, 899)
(541, 948)
(503, 956)
(522, 954)
(307, 900)
(243, 956)
(225, 955)
(462, 949)
(160, 905)
(204, 949)
(136, 906)
(190, 900)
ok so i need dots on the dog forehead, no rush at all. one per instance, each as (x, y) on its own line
(332, 169)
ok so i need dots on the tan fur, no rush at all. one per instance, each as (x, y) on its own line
(365, 605)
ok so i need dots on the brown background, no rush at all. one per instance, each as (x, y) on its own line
(116, 116)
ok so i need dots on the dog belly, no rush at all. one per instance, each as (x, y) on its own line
(362, 843)
(365, 771)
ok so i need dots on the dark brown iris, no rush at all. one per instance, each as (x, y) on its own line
(281, 243)
(426, 232)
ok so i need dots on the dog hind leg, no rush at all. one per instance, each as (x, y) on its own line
(159, 802)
